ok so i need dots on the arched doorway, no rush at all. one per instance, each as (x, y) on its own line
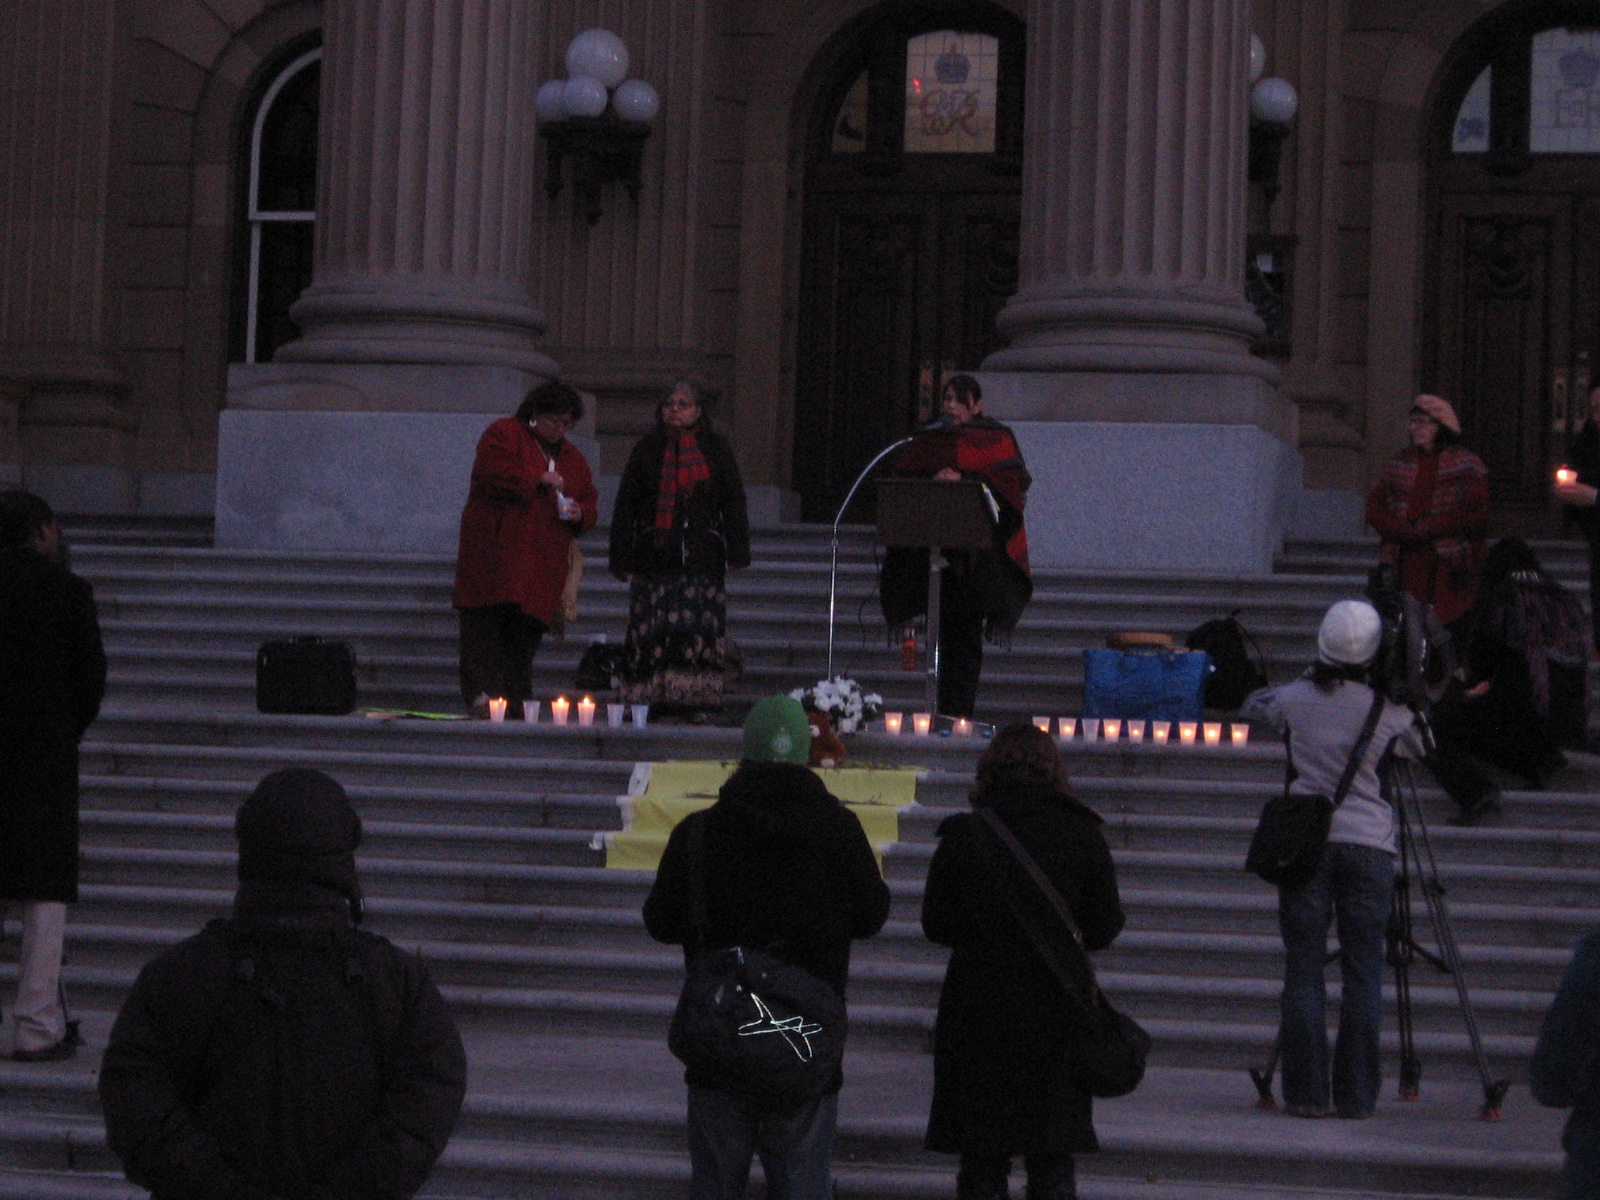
(909, 237)
(1513, 325)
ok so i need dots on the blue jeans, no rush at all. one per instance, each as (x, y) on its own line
(1353, 886)
(796, 1147)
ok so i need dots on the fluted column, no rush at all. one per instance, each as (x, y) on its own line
(1133, 192)
(424, 173)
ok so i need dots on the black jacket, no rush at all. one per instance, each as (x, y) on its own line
(52, 679)
(1584, 456)
(999, 1080)
(788, 869)
(711, 527)
(282, 1053)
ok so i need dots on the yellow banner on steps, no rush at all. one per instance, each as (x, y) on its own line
(662, 794)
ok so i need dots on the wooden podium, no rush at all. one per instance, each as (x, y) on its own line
(934, 515)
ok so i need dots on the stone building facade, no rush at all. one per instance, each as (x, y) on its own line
(802, 238)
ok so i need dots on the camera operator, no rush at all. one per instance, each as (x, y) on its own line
(1416, 665)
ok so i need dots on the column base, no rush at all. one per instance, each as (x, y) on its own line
(320, 456)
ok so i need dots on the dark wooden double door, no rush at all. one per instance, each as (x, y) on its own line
(900, 285)
(1516, 343)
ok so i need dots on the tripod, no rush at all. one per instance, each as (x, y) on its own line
(1416, 862)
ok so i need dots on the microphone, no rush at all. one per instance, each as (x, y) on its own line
(938, 424)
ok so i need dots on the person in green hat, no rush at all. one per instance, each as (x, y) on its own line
(787, 868)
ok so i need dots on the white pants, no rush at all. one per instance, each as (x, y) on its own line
(37, 1016)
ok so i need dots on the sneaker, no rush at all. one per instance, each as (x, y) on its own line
(55, 1052)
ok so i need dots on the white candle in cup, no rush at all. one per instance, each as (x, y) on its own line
(963, 727)
(1159, 731)
(1213, 733)
(1239, 732)
(1111, 728)
(1042, 723)
(497, 709)
(641, 715)
(921, 723)
(1091, 728)
(1566, 475)
(892, 722)
(586, 711)
(1187, 730)
(530, 711)
(559, 707)
(614, 715)
(1066, 727)
(1135, 731)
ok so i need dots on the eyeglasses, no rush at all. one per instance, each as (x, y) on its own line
(678, 403)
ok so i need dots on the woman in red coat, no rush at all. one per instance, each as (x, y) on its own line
(1431, 508)
(531, 495)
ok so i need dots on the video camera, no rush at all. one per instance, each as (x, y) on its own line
(1417, 656)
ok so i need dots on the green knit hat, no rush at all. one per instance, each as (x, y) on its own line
(777, 730)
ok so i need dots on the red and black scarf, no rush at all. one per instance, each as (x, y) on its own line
(683, 468)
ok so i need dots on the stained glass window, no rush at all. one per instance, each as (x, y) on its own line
(1564, 113)
(951, 84)
(1471, 132)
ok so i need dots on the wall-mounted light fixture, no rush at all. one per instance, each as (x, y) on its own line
(1273, 104)
(597, 119)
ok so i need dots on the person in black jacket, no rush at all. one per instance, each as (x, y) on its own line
(1582, 496)
(679, 526)
(1000, 1084)
(52, 679)
(1565, 1070)
(283, 1052)
(788, 869)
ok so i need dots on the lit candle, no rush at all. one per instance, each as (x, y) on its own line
(497, 709)
(1111, 727)
(1239, 732)
(921, 723)
(1091, 728)
(530, 711)
(1213, 730)
(1159, 731)
(1042, 723)
(1136, 731)
(1187, 730)
(892, 722)
(963, 727)
(615, 714)
(1566, 475)
(586, 711)
(1066, 727)
(559, 708)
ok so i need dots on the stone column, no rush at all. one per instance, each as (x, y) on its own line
(66, 429)
(1129, 374)
(418, 327)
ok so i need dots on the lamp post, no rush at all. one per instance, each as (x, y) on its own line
(1273, 104)
(596, 118)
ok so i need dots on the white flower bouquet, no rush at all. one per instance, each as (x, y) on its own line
(848, 708)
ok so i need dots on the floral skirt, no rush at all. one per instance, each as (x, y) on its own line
(675, 655)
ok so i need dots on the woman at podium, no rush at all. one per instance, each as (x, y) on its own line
(983, 592)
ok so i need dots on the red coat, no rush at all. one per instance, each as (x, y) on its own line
(1432, 512)
(513, 546)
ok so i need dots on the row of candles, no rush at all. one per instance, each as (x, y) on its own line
(562, 710)
(1105, 729)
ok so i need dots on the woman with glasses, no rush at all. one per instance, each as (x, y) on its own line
(680, 525)
(531, 496)
(1431, 508)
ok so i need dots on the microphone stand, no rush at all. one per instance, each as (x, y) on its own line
(833, 568)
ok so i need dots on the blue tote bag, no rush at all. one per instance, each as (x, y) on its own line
(1160, 685)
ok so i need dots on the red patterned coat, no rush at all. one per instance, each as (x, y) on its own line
(1432, 512)
(513, 546)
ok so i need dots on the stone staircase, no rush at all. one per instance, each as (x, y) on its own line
(479, 853)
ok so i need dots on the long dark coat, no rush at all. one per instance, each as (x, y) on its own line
(52, 679)
(711, 528)
(999, 1080)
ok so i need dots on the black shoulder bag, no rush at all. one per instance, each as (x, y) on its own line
(766, 1030)
(1106, 1049)
(1292, 833)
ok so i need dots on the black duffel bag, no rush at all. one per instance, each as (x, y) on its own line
(305, 675)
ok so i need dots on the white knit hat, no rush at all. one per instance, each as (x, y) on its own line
(1350, 634)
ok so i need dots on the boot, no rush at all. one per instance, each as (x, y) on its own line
(1051, 1177)
(983, 1178)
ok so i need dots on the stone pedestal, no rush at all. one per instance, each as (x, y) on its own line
(1156, 439)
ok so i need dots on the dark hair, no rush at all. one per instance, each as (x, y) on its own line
(1324, 675)
(1505, 558)
(551, 396)
(1445, 437)
(704, 395)
(966, 389)
(1021, 755)
(23, 517)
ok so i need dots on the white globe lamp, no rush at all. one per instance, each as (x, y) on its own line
(584, 96)
(636, 100)
(599, 54)
(1274, 101)
(551, 100)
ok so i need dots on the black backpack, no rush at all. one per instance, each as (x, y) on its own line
(1235, 671)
